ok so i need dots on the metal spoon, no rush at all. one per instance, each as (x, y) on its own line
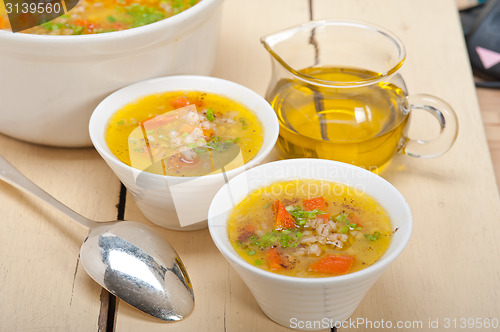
(127, 258)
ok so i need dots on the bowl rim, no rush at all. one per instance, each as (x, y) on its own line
(197, 9)
(108, 156)
(376, 267)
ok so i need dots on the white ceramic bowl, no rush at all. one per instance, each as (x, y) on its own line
(179, 203)
(51, 84)
(308, 302)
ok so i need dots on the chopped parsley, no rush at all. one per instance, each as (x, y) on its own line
(244, 124)
(284, 239)
(210, 115)
(143, 15)
(342, 217)
(218, 143)
(373, 237)
(302, 216)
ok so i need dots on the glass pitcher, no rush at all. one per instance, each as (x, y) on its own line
(338, 95)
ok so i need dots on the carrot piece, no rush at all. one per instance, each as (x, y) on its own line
(354, 219)
(282, 219)
(182, 101)
(274, 259)
(88, 26)
(333, 264)
(245, 232)
(208, 133)
(83, 23)
(317, 203)
(118, 26)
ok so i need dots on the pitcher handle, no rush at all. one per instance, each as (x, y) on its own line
(448, 123)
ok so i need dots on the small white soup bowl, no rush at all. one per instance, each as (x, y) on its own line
(51, 84)
(309, 303)
(179, 203)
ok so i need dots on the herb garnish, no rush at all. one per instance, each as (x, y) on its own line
(301, 216)
(373, 237)
(284, 239)
(210, 115)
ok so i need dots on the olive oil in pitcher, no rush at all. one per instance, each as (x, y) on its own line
(338, 117)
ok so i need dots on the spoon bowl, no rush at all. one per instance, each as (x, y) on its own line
(129, 259)
(140, 267)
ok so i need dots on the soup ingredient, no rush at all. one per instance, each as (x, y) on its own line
(309, 228)
(184, 133)
(361, 125)
(275, 260)
(282, 219)
(333, 264)
(99, 16)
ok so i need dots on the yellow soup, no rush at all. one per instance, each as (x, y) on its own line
(184, 134)
(98, 16)
(309, 228)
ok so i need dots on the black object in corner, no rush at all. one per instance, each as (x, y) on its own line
(481, 25)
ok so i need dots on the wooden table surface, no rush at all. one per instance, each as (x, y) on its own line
(448, 272)
(489, 103)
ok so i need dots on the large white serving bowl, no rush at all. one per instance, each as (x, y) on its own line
(51, 84)
(309, 303)
(179, 203)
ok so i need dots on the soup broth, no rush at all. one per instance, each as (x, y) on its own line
(98, 16)
(184, 134)
(309, 228)
(362, 125)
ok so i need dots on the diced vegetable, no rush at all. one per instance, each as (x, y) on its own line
(274, 259)
(143, 15)
(284, 238)
(246, 232)
(218, 143)
(317, 203)
(353, 218)
(210, 115)
(180, 102)
(208, 133)
(333, 264)
(301, 216)
(282, 219)
(342, 217)
(373, 237)
(244, 124)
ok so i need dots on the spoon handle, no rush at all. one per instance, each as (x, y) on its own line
(14, 177)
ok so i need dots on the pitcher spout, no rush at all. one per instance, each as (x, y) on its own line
(318, 44)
